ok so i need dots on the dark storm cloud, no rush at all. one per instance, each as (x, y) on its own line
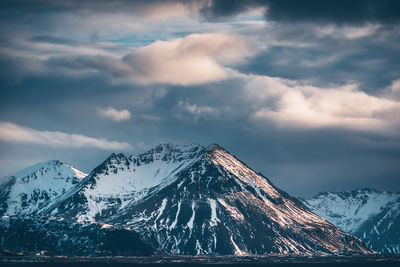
(74, 5)
(34, 7)
(301, 53)
(338, 11)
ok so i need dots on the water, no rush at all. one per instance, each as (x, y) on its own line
(167, 261)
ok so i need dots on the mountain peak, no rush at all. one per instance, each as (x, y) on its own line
(215, 147)
(169, 152)
(114, 156)
(33, 188)
(49, 164)
(174, 148)
(114, 161)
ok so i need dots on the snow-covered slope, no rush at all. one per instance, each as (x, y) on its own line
(195, 200)
(120, 181)
(33, 188)
(371, 215)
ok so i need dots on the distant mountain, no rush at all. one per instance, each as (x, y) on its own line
(58, 236)
(32, 189)
(187, 199)
(371, 215)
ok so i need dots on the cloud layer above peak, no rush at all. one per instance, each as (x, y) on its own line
(291, 104)
(190, 60)
(13, 133)
(194, 59)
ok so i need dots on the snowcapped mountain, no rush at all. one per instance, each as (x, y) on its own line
(195, 200)
(120, 181)
(371, 215)
(32, 189)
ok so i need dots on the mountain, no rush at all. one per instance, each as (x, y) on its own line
(187, 199)
(58, 236)
(120, 181)
(32, 189)
(371, 215)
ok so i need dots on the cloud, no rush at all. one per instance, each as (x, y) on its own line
(295, 105)
(168, 9)
(13, 133)
(194, 59)
(393, 90)
(148, 117)
(395, 86)
(154, 9)
(114, 114)
(196, 111)
(339, 11)
(345, 32)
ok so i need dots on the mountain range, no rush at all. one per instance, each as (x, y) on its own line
(173, 199)
(371, 215)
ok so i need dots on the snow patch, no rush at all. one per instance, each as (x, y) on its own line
(173, 225)
(214, 219)
(191, 221)
(162, 208)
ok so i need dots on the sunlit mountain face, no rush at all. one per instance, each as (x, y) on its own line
(179, 200)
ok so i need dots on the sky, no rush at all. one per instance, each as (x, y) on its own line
(305, 92)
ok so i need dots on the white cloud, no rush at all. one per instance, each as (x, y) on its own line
(167, 10)
(293, 104)
(196, 111)
(114, 114)
(346, 32)
(194, 59)
(10, 132)
(395, 86)
(393, 90)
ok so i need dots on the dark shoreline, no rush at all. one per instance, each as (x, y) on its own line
(201, 261)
